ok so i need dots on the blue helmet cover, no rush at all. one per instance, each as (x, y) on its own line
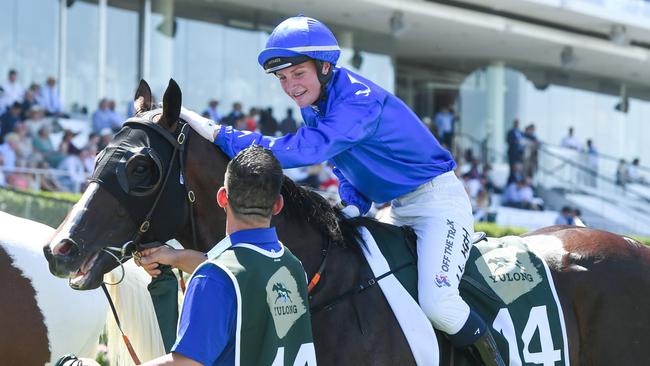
(298, 36)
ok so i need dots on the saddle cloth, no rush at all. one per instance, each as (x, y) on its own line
(504, 281)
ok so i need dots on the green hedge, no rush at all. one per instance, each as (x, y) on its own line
(492, 230)
(47, 208)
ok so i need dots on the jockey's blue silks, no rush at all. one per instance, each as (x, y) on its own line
(374, 139)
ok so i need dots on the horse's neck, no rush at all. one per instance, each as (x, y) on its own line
(204, 170)
(207, 236)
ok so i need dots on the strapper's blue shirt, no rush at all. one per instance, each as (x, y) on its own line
(207, 325)
(377, 143)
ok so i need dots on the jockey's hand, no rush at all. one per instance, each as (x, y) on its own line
(150, 259)
(205, 127)
(349, 211)
(351, 197)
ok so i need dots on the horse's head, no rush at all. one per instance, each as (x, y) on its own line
(136, 194)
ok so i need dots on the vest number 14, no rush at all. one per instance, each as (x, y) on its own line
(537, 320)
(306, 356)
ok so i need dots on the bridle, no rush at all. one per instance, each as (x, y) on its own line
(131, 248)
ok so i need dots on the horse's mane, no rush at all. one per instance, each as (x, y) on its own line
(301, 204)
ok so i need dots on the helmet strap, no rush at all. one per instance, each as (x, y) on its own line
(323, 79)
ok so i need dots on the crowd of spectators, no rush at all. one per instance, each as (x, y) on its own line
(629, 173)
(523, 151)
(319, 177)
(257, 119)
(626, 173)
(569, 216)
(28, 158)
(476, 177)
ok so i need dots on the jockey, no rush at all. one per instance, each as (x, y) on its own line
(382, 152)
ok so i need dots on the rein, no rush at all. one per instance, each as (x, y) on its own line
(317, 276)
(132, 247)
(125, 338)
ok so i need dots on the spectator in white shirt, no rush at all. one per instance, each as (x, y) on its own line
(105, 117)
(50, 99)
(445, 126)
(8, 151)
(13, 91)
(571, 142)
(76, 172)
(633, 172)
(36, 121)
(520, 194)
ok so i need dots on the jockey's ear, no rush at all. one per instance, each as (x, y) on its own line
(277, 206)
(326, 68)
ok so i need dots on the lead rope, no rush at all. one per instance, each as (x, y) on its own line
(125, 338)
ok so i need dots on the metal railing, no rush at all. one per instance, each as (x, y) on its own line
(594, 187)
(73, 181)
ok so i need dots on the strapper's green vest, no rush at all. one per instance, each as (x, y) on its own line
(273, 322)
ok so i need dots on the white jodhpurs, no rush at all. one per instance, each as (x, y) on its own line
(441, 214)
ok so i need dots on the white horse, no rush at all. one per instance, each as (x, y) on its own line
(43, 319)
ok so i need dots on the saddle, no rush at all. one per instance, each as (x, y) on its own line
(504, 281)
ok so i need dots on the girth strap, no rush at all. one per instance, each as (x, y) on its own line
(359, 289)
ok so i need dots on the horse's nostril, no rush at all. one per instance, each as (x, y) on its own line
(65, 248)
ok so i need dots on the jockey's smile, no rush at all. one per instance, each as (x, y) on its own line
(300, 82)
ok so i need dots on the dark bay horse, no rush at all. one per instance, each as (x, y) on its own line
(158, 180)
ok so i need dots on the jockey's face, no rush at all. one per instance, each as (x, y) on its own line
(300, 82)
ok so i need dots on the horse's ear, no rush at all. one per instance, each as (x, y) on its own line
(172, 101)
(142, 101)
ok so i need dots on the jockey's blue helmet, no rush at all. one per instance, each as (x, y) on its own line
(296, 40)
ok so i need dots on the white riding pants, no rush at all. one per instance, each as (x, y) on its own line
(441, 214)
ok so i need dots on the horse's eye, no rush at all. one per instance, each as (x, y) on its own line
(140, 169)
(143, 174)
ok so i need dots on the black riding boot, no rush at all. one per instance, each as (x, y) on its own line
(485, 349)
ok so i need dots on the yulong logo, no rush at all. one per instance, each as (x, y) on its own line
(285, 301)
(283, 294)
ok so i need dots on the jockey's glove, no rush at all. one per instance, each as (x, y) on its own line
(205, 127)
(350, 211)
